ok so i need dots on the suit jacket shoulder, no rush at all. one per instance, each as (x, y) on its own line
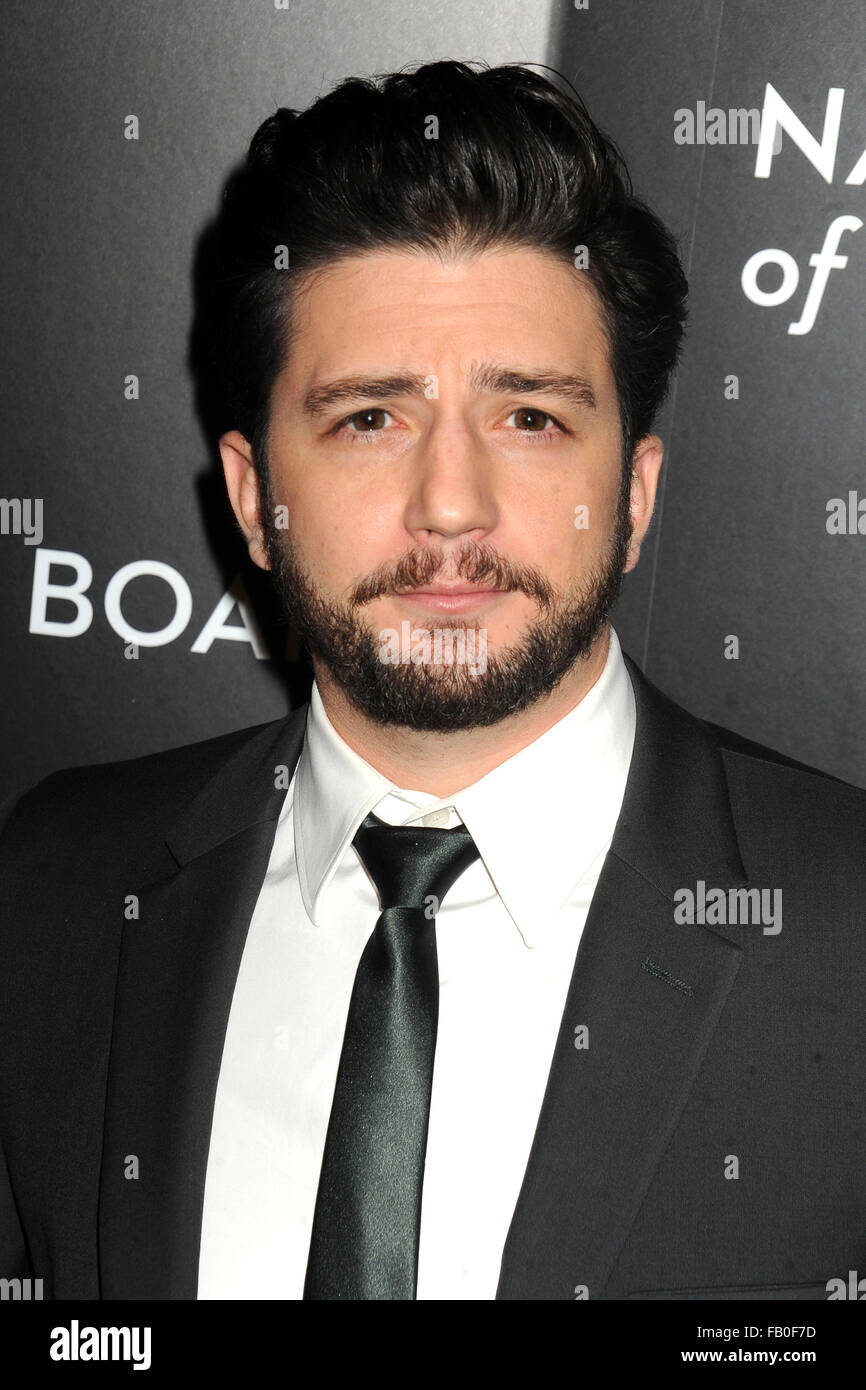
(789, 809)
(165, 777)
(115, 810)
(776, 801)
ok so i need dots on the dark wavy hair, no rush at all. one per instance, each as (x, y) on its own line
(517, 162)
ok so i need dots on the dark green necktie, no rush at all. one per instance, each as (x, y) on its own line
(368, 1208)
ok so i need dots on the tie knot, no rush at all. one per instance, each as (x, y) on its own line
(409, 863)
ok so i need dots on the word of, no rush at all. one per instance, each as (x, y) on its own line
(776, 115)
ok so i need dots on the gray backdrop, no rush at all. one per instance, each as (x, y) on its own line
(100, 236)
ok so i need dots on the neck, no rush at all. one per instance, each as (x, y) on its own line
(443, 763)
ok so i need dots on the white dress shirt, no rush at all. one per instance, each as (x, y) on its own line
(507, 934)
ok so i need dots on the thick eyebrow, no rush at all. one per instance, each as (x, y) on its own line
(508, 381)
(484, 377)
(319, 399)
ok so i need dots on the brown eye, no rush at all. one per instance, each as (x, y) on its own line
(533, 421)
(367, 418)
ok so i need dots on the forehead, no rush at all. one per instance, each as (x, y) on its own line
(398, 308)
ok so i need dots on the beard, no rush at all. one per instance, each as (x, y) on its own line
(444, 696)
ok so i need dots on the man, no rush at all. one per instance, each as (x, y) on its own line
(490, 973)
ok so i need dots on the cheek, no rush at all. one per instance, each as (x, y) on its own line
(593, 516)
(340, 539)
(564, 536)
(573, 508)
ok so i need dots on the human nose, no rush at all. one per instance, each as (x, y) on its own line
(453, 488)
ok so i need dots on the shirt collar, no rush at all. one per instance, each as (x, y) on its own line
(540, 819)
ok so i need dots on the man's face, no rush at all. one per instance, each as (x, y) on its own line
(430, 477)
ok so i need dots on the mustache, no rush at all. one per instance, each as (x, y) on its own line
(476, 563)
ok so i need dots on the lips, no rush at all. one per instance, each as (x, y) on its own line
(452, 598)
(450, 590)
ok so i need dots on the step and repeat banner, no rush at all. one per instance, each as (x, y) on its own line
(132, 620)
(745, 126)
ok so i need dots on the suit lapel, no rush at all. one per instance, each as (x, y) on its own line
(649, 993)
(178, 966)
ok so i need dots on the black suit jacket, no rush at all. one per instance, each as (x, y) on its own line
(713, 1050)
